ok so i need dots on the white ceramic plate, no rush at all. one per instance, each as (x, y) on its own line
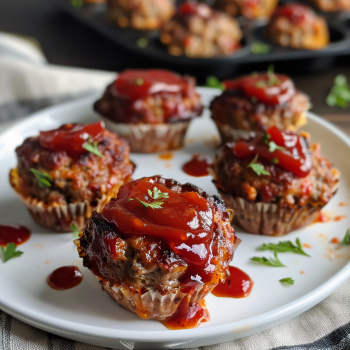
(88, 314)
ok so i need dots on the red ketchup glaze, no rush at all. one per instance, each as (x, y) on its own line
(238, 285)
(295, 158)
(260, 87)
(71, 137)
(296, 13)
(188, 316)
(322, 217)
(138, 84)
(184, 223)
(13, 234)
(198, 166)
(65, 277)
(194, 8)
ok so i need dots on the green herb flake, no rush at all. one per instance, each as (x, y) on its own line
(75, 230)
(77, 3)
(10, 252)
(339, 95)
(260, 84)
(85, 168)
(285, 246)
(257, 168)
(260, 48)
(346, 239)
(266, 138)
(157, 194)
(153, 205)
(42, 178)
(275, 160)
(142, 43)
(273, 80)
(139, 81)
(287, 280)
(214, 82)
(269, 262)
(92, 148)
(273, 147)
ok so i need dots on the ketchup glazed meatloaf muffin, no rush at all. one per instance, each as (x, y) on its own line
(298, 26)
(332, 5)
(159, 248)
(197, 30)
(152, 109)
(274, 183)
(64, 174)
(253, 103)
(247, 8)
(140, 14)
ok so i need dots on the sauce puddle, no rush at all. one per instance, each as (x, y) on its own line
(198, 166)
(13, 234)
(65, 277)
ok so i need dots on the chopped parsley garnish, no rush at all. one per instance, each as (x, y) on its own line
(287, 280)
(142, 43)
(285, 246)
(260, 84)
(42, 178)
(269, 262)
(273, 147)
(266, 138)
(77, 3)
(257, 168)
(139, 81)
(273, 80)
(85, 168)
(75, 230)
(275, 160)
(340, 93)
(92, 147)
(214, 82)
(260, 48)
(157, 194)
(346, 239)
(153, 205)
(10, 252)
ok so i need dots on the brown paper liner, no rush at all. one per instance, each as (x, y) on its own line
(60, 216)
(269, 218)
(150, 138)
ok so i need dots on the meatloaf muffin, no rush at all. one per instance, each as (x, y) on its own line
(151, 109)
(140, 14)
(298, 26)
(274, 183)
(253, 103)
(197, 30)
(247, 8)
(332, 5)
(64, 174)
(159, 248)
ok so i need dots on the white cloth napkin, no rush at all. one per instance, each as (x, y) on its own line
(28, 83)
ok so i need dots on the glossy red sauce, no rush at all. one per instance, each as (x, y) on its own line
(194, 8)
(13, 234)
(137, 84)
(238, 285)
(65, 277)
(295, 157)
(296, 13)
(184, 223)
(260, 86)
(188, 316)
(335, 240)
(198, 166)
(322, 218)
(71, 137)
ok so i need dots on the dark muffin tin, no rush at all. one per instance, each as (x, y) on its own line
(94, 15)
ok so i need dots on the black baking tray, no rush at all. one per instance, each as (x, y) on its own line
(94, 15)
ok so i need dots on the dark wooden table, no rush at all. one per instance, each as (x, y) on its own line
(66, 42)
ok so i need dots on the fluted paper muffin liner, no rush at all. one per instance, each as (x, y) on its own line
(60, 216)
(150, 138)
(269, 219)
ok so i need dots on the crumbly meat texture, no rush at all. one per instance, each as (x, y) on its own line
(281, 186)
(311, 35)
(262, 8)
(143, 263)
(235, 109)
(332, 5)
(87, 178)
(158, 108)
(140, 14)
(195, 36)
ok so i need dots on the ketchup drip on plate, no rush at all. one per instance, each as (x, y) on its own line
(296, 13)
(65, 277)
(268, 88)
(198, 166)
(13, 234)
(184, 222)
(295, 157)
(238, 285)
(70, 138)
